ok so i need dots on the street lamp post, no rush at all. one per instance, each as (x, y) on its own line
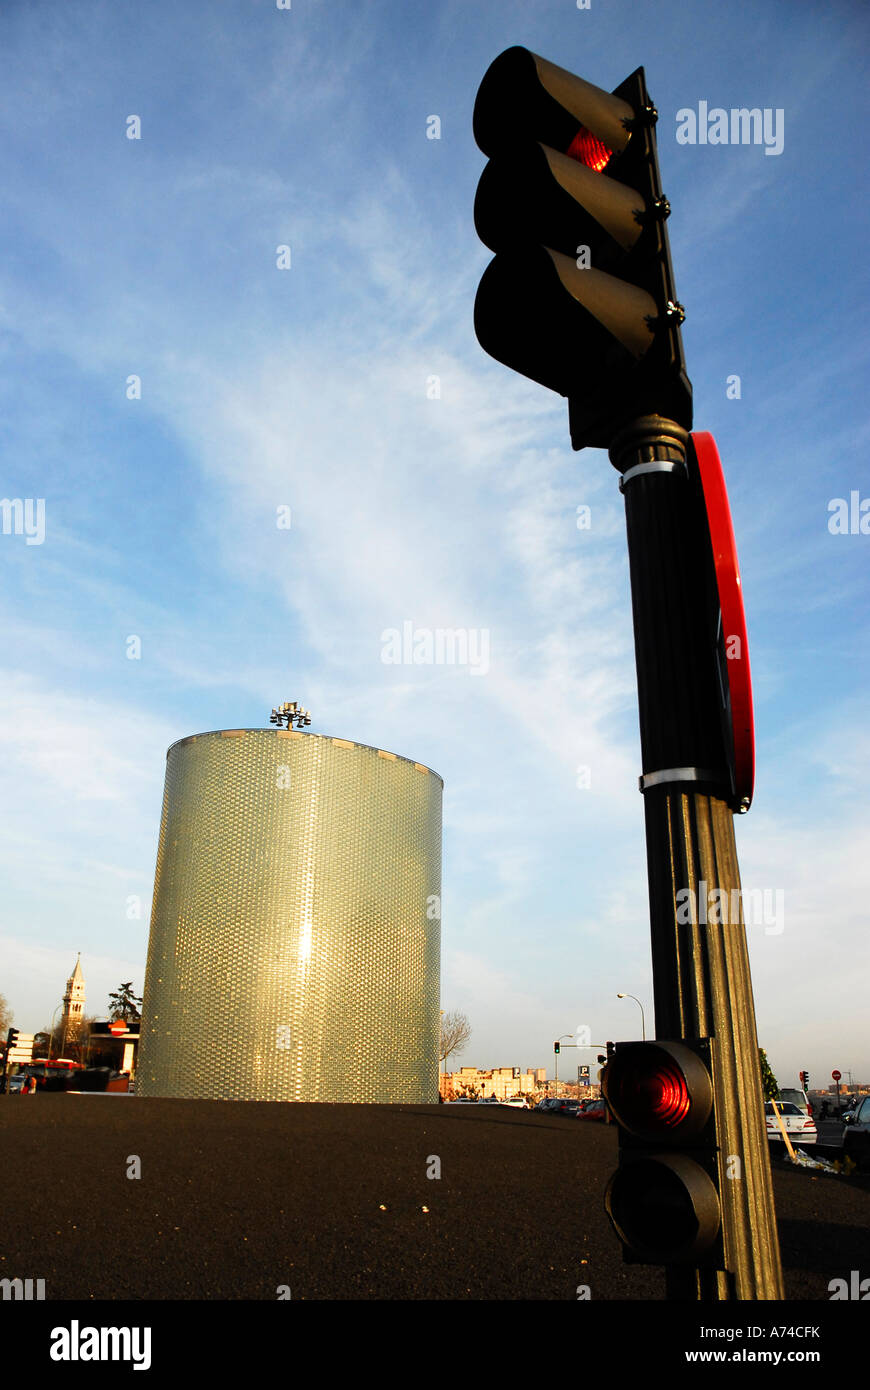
(640, 1006)
(51, 1031)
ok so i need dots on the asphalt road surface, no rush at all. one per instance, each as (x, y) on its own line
(238, 1200)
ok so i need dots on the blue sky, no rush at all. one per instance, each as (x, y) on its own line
(311, 388)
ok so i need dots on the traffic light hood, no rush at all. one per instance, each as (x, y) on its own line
(524, 318)
(580, 296)
(565, 204)
(523, 94)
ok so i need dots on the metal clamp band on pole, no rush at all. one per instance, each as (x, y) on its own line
(659, 466)
(676, 774)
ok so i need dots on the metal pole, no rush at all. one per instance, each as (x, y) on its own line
(51, 1030)
(640, 1006)
(701, 979)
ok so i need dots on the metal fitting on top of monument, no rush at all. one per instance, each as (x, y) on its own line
(295, 933)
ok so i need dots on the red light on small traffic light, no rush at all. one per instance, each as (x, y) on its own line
(658, 1098)
(663, 1199)
(587, 149)
(658, 1090)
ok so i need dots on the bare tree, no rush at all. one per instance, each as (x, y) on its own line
(6, 1017)
(455, 1032)
(61, 1041)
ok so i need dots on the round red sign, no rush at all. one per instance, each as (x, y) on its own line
(736, 645)
(835, 1075)
(118, 1027)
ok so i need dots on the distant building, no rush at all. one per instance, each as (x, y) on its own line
(73, 1005)
(111, 1041)
(501, 1083)
(295, 936)
(504, 1082)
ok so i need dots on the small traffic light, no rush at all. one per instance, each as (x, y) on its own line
(557, 1048)
(805, 1080)
(663, 1200)
(12, 1038)
(580, 296)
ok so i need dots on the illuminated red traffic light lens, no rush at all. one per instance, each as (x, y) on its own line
(654, 1095)
(665, 1095)
(587, 149)
(658, 1090)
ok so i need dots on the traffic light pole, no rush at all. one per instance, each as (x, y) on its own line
(701, 978)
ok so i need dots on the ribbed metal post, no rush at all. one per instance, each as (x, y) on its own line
(701, 980)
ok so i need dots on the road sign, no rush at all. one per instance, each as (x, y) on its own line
(118, 1027)
(19, 1046)
(735, 675)
(835, 1075)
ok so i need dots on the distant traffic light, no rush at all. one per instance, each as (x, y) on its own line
(663, 1201)
(805, 1080)
(557, 1048)
(580, 296)
(12, 1038)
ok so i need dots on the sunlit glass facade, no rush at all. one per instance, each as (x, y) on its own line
(294, 951)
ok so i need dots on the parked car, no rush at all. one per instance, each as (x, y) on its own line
(593, 1110)
(798, 1098)
(800, 1127)
(563, 1106)
(856, 1135)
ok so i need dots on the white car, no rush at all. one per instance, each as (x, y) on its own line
(797, 1098)
(800, 1128)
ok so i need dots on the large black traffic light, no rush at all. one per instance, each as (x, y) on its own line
(580, 296)
(663, 1201)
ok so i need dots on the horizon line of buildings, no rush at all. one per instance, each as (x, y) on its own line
(498, 1083)
(503, 1083)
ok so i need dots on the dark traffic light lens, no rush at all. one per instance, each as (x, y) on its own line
(587, 149)
(653, 1207)
(665, 1209)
